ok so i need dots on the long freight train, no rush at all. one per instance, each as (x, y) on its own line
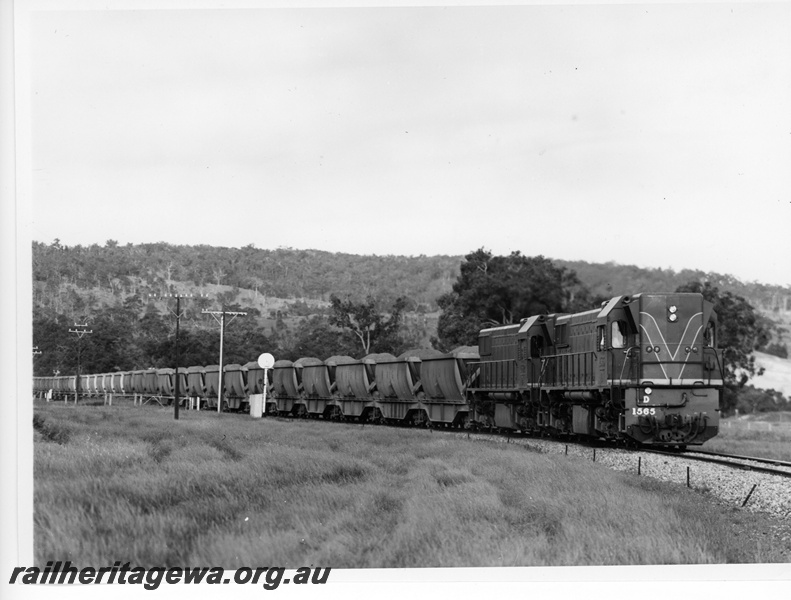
(641, 369)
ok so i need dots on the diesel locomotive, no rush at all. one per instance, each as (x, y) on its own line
(640, 370)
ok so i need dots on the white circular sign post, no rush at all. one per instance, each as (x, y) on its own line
(266, 361)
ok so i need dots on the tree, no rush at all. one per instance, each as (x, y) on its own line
(372, 329)
(741, 332)
(754, 400)
(316, 337)
(500, 290)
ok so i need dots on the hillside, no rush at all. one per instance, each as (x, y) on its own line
(314, 274)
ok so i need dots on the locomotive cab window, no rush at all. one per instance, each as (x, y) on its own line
(618, 334)
(709, 335)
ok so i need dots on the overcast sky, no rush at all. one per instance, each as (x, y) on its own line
(656, 135)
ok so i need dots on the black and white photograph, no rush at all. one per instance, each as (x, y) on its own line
(386, 298)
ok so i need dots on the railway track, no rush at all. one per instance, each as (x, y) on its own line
(746, 463)
(768, 461)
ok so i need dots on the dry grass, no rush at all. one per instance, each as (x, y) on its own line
(131, 484)
(750, 437)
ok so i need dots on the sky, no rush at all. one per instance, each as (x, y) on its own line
(649, 134)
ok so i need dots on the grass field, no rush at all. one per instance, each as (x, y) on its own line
(769, 438)
(131, 484)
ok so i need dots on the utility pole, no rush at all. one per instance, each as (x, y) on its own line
(221, 321)
(80, 334)
(178, 314)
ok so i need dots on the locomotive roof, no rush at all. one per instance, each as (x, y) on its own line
(581, 317)
(500, 329)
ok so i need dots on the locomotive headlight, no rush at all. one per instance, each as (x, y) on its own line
(648, 391)
(673, 317)
(672, 310)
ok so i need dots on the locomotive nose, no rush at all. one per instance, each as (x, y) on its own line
(671, 330)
